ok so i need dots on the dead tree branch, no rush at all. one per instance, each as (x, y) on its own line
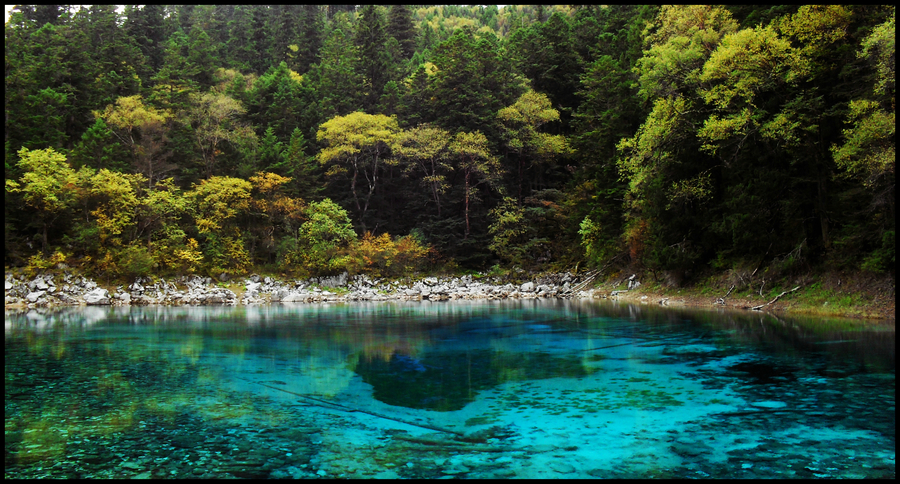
(757, 308)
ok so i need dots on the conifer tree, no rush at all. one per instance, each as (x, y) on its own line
(374, 60)
(311, 36)
(336, 79)
(401, 27)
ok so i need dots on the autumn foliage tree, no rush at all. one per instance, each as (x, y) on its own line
(215, 204)
(47, 186)
(477, 164)
(680, 139)
(357, 146)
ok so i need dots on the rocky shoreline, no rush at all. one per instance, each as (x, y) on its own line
(72, 290)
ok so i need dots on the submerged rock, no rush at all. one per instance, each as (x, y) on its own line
(562, 467)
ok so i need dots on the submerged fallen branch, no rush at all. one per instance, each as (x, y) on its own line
(344, 408)
(445, 443)
(756, 412)
(757, 308)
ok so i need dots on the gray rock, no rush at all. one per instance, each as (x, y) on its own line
(527, 287)
(33, 297)
(98, 296)
(339, 280)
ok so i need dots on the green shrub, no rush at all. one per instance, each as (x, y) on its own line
(135, 261)
(883, 258)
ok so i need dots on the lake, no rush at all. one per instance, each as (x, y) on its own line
(482, 389)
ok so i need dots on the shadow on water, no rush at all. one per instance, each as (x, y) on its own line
(445, 381)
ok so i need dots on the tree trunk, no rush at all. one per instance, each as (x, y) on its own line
(823, 214)
(467, 205)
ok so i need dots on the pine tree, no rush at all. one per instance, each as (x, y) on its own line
(145, 25)
(98, 148)
(303, 169)
(401, 27)
(275, 102)
(241, 47)
(285, 19)
(202, 59)
(117, 59)
(374, 60)
(336, 79)
(474, 80)
(311, 35)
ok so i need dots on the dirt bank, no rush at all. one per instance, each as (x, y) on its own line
(865, 306)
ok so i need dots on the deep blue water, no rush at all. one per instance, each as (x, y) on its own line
(485, 389)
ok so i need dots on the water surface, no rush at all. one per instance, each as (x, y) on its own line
(484, 389)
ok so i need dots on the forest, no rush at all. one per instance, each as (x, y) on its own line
(311, 139)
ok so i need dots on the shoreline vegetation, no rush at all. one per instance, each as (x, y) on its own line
(680, 146)
(856, 296)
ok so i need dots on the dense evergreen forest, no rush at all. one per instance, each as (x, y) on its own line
(309, 139)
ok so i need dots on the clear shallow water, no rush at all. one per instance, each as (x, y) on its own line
(523, 389)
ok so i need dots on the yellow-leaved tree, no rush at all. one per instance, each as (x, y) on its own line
(424, 149)
(357, 145)
(48, 184)
(143, 130)
(215, 204)
(477, 163)
(522, 136)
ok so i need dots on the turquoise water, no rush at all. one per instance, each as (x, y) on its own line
(486, 389)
